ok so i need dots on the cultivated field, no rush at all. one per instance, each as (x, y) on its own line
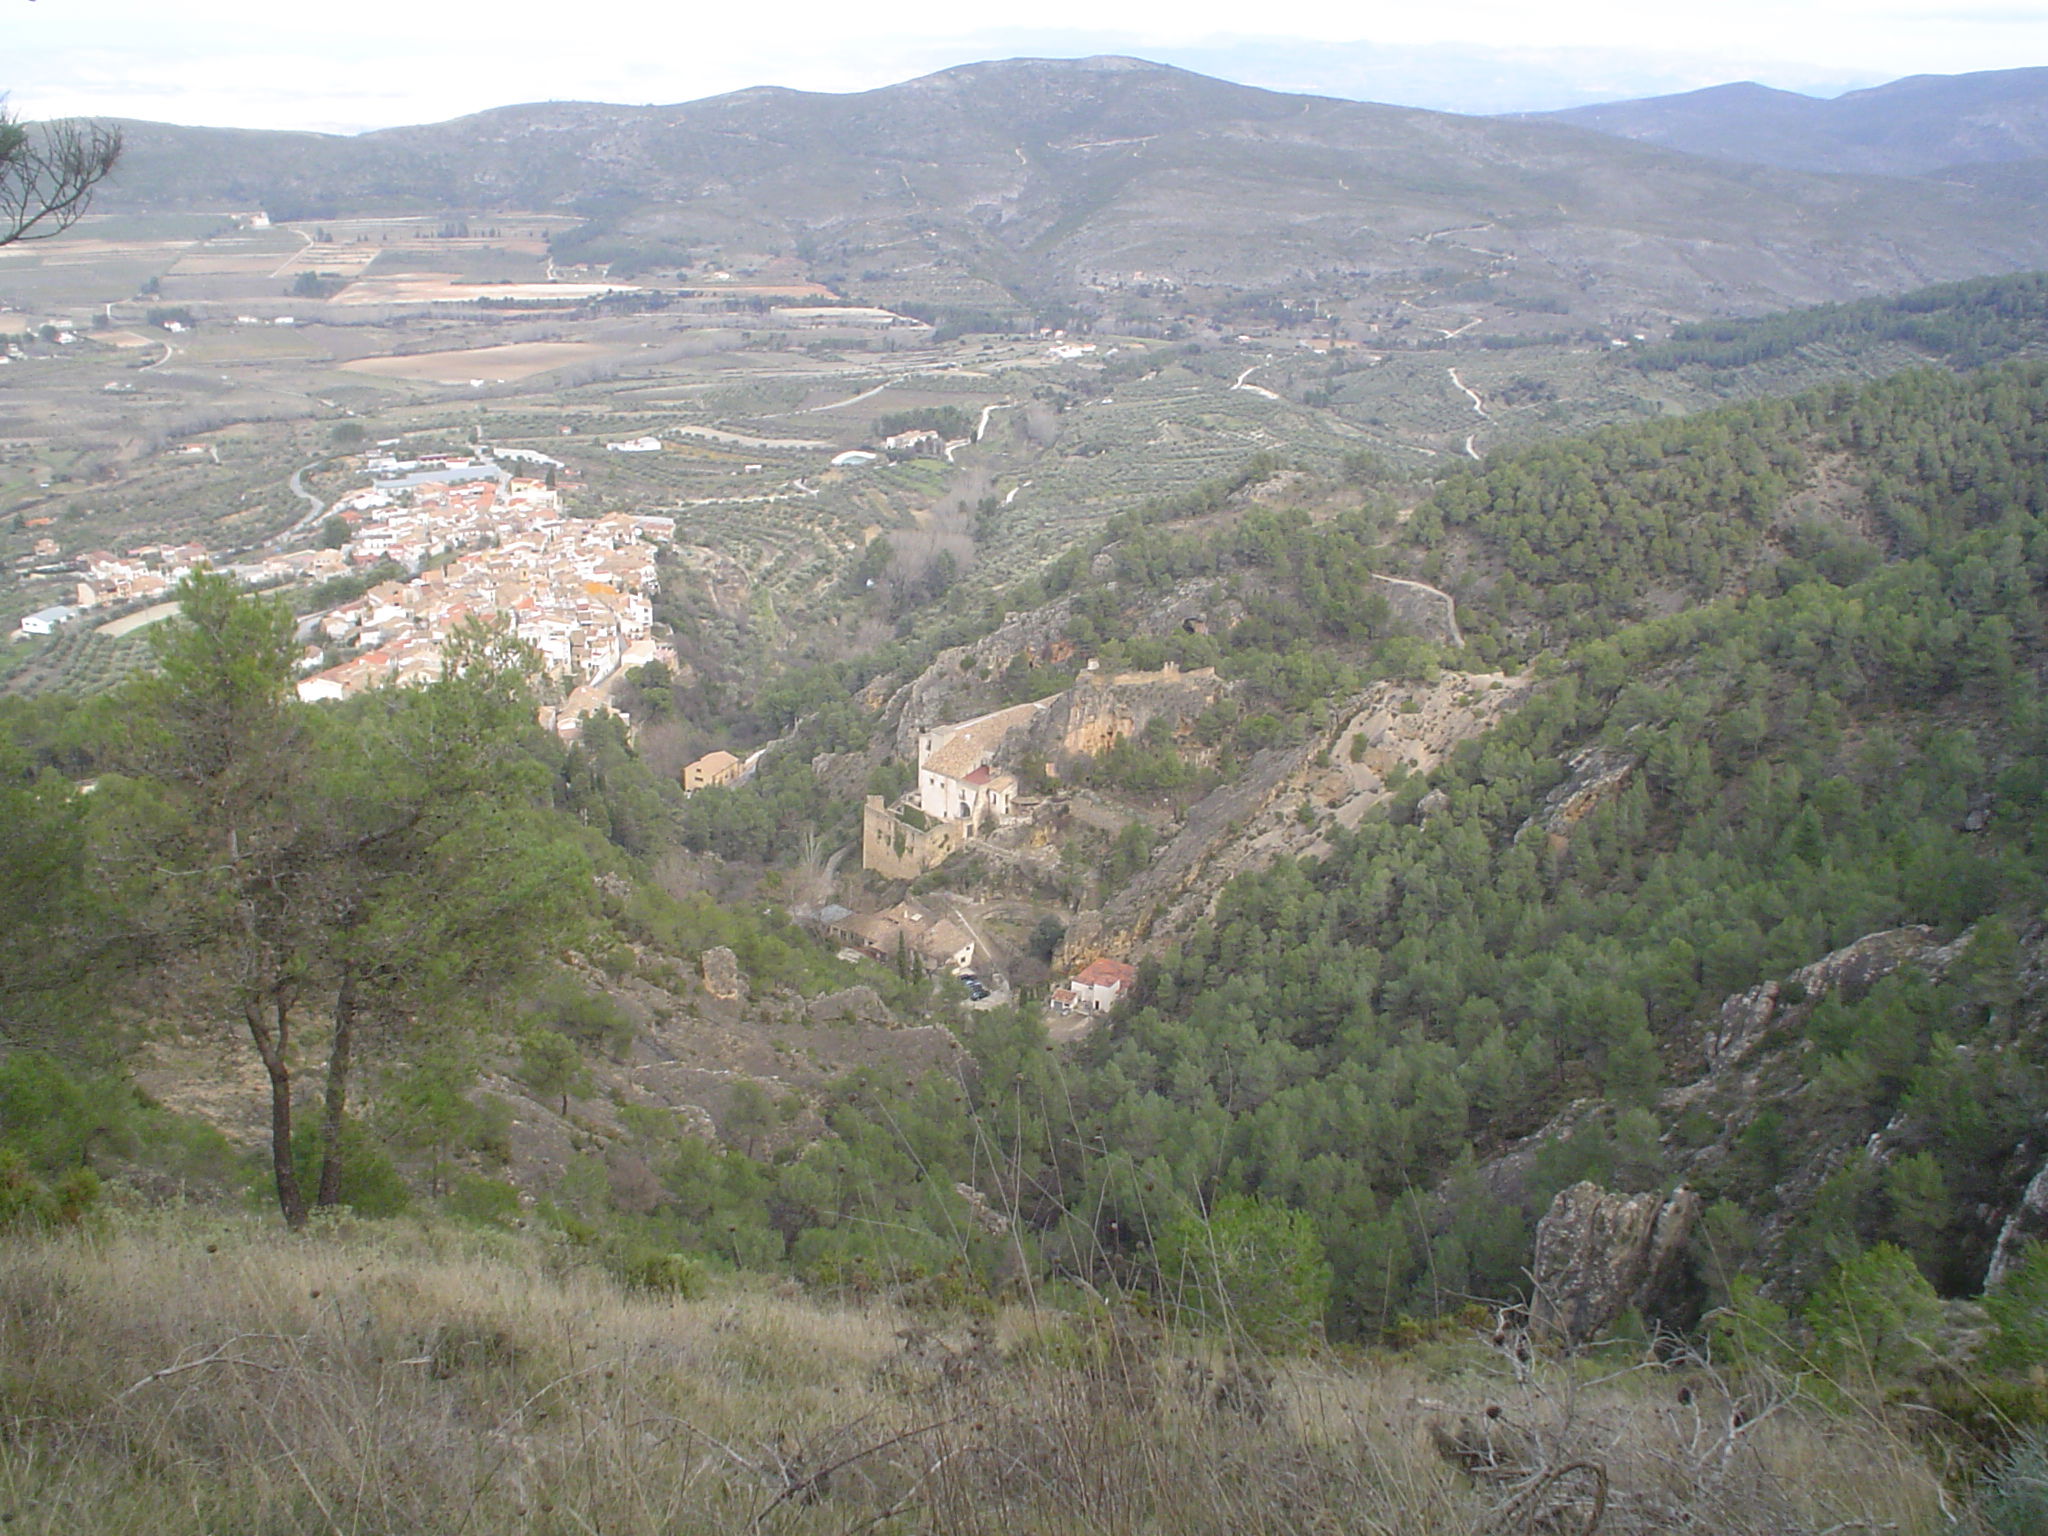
(497, 365)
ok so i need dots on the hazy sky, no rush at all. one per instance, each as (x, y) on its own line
(376, 63)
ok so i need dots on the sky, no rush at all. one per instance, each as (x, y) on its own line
(381, 63)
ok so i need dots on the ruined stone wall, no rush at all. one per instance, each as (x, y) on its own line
(897, 851)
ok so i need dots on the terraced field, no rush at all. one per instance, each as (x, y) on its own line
(750, 411)
(1144, 438)
(76, 660)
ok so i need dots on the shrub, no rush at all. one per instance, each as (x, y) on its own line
(1250, 1267)
(55, 1120)
(488, 1202)
(26, 1200)
(2014, 1499)
(370, 1181)
(2019, 1314)
(1874, 1319)
(675, 1275)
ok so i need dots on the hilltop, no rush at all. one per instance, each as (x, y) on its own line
(1094, 183)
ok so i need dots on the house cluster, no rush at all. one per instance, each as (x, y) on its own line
(142, 574)
(413, 525)
(921, 443)
(906, 933)
(293, 565)
(577, 590)
(147, 573)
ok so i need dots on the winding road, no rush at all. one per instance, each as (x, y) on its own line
(1254, 388)
(317, 506)
(981, 426)
(1478, 405)
(840, 405)
(1471, 394)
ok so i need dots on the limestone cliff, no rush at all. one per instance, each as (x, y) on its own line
(1401, 729)
(1599, 1254)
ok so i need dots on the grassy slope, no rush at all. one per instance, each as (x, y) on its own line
(401, 1379)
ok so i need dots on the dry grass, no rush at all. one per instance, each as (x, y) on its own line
(187, 1374)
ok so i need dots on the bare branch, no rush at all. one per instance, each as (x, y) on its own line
(48, 172)
(217, 1356)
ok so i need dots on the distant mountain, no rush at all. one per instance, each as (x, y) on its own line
(1908, 128)
(1085, 182)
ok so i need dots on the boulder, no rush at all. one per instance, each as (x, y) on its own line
(1743, 1019)
(1856, 968)
(1600, 1253)
(722, 978)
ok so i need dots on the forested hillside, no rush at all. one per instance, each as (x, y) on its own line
(1837, 731)
(1848, 746)
(1963, 325)
(1786, 694)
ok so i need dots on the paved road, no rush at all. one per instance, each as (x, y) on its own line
(314, 503)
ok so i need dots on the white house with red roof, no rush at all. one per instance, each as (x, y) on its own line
(1097, 987)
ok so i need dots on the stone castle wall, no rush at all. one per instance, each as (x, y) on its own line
(896, 850)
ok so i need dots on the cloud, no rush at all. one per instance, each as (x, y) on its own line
(2007, 16)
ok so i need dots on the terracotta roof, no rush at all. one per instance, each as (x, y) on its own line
(1107, 973)
(966, 746)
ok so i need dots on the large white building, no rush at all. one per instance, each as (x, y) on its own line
(957, 779)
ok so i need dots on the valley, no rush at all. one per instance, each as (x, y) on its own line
(1275, 779)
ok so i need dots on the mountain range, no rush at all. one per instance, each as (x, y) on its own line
(1918, 126)
(1080, 182)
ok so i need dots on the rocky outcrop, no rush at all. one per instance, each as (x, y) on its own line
(1174, 890)
(1102, 709)
(986, 1217)
(850, 1005)
(1399, 729)
(1852, 970)
(2028, 1223)
(1600, 1253)
(1598, 774)
(1391, 731)
(722, 978)
(960, 682)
